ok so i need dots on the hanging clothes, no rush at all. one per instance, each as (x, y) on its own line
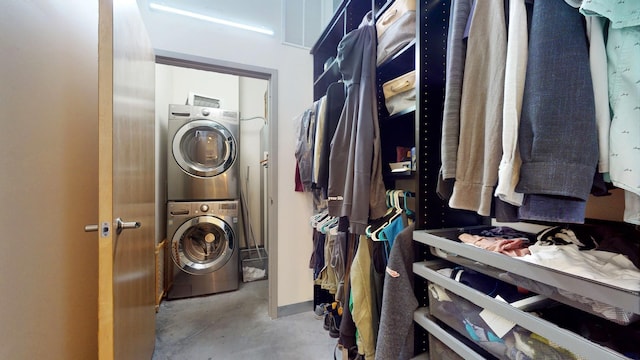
(480, 145)
(328, 278)
(318, 139)
(598, 66)
(515, 72)
(557, 134)
(623, 52)
(347, 327)
(356, 189)
(395, 337)
(305, 124)
(459, 18)
(333, 107)
(361, 297)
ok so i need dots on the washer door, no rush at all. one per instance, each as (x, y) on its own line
(204, 148)
(202, 245)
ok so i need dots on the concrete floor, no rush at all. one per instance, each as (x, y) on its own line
(235, 325)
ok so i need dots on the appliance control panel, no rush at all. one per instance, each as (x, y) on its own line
(216, 208)
(220, 208)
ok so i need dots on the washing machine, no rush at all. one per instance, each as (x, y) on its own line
(203, 238)
(202, 158)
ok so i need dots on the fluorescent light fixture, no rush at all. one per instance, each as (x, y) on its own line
(209, 18)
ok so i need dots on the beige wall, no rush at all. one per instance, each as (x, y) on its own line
(48, 179)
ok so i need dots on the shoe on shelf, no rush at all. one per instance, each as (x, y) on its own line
(334, 329)
(328, 319)
(321, 310)
(335, 312)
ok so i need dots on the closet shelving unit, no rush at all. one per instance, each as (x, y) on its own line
(421, 127)
(495, 264)
(432, 212)
(397, 129)
(346, 18)
(433, 215)
(431, 45)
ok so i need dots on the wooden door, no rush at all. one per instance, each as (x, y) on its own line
(126, 293)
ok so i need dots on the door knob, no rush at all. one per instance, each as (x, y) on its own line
(104, 228)
(120, 225)
(123, 225)
(91, 228)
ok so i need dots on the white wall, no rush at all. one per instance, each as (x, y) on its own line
(252, 114)
(177, 34)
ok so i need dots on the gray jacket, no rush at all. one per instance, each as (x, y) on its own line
(356, 189)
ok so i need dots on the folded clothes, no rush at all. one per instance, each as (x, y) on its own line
(601, 266)
(538, 347)
(560, 235)
(486, 284)
(512, 247)
(612, 238)
(504, 232)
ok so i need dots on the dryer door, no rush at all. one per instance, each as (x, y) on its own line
(204, 148)
(202, 245)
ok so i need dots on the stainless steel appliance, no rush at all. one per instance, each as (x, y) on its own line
(203, 238)
(202, 157)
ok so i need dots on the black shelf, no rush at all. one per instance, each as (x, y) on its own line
(400, 63)
(406, 115)
(347, 17)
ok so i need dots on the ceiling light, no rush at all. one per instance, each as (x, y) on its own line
(209, 18)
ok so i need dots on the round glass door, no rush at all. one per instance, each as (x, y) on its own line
(202, 245)
(204, 148)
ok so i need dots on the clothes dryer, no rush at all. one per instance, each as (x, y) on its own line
(204, 247)
(202, 157)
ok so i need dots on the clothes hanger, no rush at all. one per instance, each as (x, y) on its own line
(322, 222)
(395, 224)
(314, 219)
(376, 223)
(329, 224)
(396, 211)
(410, 213)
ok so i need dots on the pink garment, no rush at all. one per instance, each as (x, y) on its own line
(512, 247)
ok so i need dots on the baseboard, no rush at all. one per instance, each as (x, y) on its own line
(293, 309)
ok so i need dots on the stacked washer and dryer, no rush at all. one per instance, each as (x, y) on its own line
(202, 200)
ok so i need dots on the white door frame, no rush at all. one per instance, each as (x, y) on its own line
(271, 75)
